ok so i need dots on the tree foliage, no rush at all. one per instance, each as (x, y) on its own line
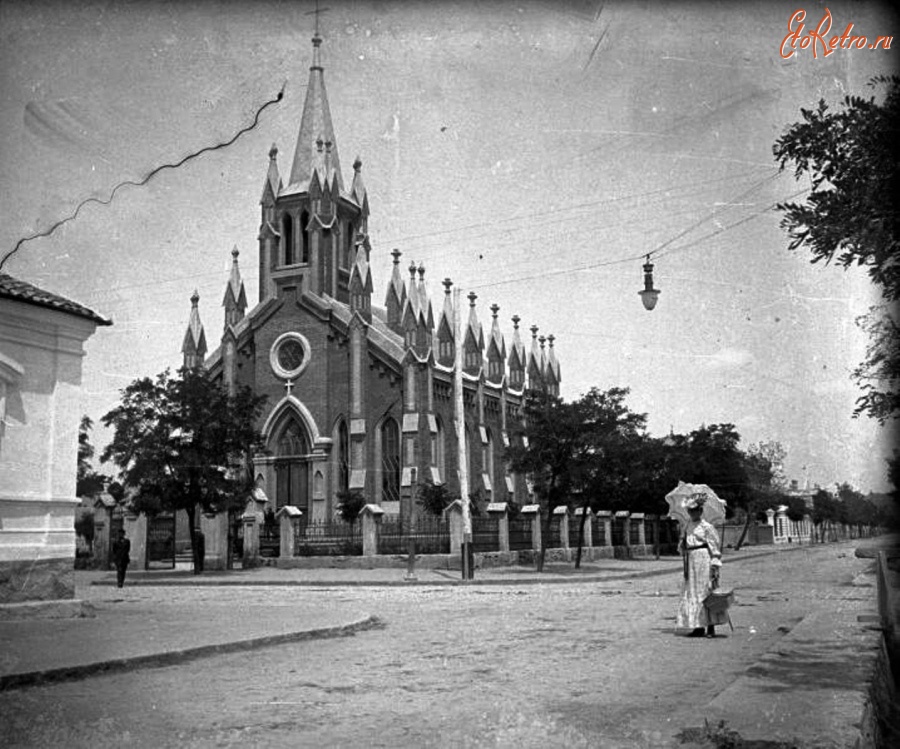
(88, 482)
(850, 216)
(182, 443)
(350, 504)
(435, 498)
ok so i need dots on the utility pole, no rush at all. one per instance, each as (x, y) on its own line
(460, 422)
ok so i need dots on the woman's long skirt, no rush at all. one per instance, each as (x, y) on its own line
(697, 586)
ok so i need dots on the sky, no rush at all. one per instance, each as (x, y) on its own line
(533, 152)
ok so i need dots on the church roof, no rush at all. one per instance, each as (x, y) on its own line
(316, 149)
(20, 291)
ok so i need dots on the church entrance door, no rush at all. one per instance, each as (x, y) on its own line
(292, 469)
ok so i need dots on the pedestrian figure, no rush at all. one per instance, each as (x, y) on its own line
(699, 547)
(199, 551)
(121, 554)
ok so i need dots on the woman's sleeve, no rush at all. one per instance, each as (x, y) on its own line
(715, 551)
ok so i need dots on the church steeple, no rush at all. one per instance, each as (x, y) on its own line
(316, 129)
(194, 347)
(235, 301)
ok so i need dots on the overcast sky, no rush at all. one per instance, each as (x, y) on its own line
(532, 152)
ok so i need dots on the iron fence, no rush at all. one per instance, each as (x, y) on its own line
(431, 535)
(485, 533)
(634, 532)
(328, 538)
(555, 541)
(575, 531)
(598, 531)
(618, 531)
(520, 534)
(269, 541)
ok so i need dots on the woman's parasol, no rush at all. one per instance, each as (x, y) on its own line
(713, 507)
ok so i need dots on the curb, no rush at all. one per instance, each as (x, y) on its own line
(177, 657)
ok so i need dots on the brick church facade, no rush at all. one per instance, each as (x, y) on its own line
(360, 397)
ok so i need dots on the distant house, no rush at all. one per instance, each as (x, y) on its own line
(42, 339)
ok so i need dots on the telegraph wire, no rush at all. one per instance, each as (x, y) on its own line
(140, 183)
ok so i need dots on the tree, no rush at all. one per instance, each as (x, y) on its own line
(850, 216)
(435, 498)
(604, 463)
(88, 482)
(763, 464)
(350, 504)
(545, 447)
(182, 443)
(824, 512)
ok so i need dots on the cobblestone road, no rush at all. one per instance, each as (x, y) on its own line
(580, 665)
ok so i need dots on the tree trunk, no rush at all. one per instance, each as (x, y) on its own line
(191, 514)
(746, 528)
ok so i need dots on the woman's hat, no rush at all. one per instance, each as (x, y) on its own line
(695, 502)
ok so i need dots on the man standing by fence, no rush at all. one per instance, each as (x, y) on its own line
(121, 554)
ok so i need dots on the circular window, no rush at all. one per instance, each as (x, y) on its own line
(289, 355)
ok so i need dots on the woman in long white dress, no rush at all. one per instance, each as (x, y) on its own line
(699, 546)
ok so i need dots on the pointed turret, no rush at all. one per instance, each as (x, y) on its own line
(445, 331)
(272, 185)
(426, 313)
(359, 194)
(235, 301)
(496, 350)
(360, 284)
(395, 299)
(194, 347)
(518, 359)
(535, 366)
(316, 130)
(552, 370)
(474, 340)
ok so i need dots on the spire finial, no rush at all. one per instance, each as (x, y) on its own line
(395, 253)
(447, 285)
(515, 321)
(534, 331)
(357, 164)
(273, 152)
(495, 308)
(421, 270)
(412, 270)
(195, 298)
(472, 297)
(551, 338)
(234, 253)
(543, 340)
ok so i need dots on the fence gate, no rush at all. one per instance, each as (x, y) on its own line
(161, 542)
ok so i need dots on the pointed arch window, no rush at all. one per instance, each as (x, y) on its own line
(291, 467)
(487, 458)
(390, 461)
(287, 239)
(347, 254)
(304, 237)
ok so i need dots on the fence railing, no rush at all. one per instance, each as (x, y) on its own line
(485, 533)
(431, 535)
(520, 535)
(328, 538)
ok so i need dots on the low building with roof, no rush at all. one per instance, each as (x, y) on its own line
(42, 338)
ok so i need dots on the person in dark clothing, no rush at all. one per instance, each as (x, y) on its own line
(121, 553)
(199, 551)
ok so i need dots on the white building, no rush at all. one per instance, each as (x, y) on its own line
(42, 339)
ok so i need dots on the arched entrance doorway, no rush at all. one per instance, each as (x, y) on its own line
(292, 456)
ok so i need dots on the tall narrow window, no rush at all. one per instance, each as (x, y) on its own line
(287, 239)
(440, 457)
(487, 461)
(348, 246)
(390, 461)
(304, 236)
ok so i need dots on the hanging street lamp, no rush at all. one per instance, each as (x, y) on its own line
(649, 295)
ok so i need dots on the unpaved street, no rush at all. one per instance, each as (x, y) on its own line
(569, 665)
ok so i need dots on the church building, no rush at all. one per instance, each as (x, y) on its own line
(360, 396)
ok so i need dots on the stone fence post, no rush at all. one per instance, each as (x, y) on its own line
(103, 509)
(624, 516)
(455, 521)
(136, 531)
(588, 523)
(605, 516)
(370, 517)
(499, 510)
(214, 526)
(288, 518)
(253, 518)
(534, 512)
(563, 513)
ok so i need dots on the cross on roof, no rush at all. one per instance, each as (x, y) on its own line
(316, 12)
